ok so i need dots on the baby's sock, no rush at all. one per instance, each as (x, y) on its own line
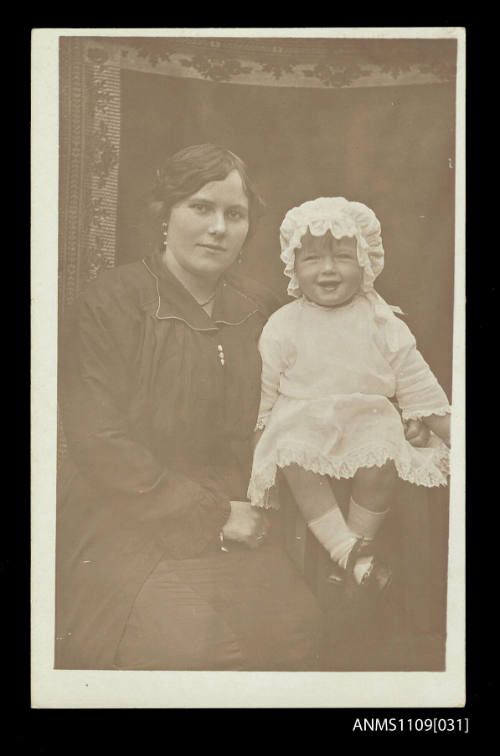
(364, 524)
(332, 532)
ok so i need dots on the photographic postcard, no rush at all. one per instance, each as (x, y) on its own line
(375, 115)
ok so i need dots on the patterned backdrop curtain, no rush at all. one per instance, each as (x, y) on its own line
(90, 110)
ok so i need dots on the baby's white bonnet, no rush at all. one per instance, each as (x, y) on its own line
(342, 218)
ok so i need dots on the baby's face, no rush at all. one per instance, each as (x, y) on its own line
(327, 269)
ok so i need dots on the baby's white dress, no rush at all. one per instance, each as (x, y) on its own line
(328, 377)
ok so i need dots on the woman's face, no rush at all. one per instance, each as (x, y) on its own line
(206, 231)
(327, 269)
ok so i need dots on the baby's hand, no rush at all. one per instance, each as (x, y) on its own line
(416, 433)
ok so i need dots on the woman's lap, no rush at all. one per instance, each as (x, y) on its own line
(237, 610)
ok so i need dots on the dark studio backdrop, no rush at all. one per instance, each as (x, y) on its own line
(391, 147)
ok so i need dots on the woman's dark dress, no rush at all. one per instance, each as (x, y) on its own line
(158, 433)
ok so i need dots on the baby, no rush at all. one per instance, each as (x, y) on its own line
(332, 362)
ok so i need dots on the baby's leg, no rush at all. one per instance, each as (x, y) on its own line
(313, 492)
(372, 495)
(319, 506)
(373, 487)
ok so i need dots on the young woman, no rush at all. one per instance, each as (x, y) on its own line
(162, 563)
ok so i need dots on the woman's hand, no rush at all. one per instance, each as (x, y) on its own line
(246, 524)
(417, 433)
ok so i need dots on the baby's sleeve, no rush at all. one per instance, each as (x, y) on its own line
(418, 392)
(273, 353)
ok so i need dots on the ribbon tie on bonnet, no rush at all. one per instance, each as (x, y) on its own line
(341, 218)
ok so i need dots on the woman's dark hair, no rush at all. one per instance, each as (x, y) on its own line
(191, 168)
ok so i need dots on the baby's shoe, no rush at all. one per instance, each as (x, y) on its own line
(366, 573)
(337, 575)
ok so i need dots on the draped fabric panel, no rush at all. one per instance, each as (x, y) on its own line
(89, 152)
(89, 140)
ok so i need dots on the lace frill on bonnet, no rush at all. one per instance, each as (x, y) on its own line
(341, 218)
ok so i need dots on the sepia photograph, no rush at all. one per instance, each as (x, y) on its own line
(248, 413)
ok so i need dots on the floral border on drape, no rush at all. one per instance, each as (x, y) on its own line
(89, 149)
(295, 62)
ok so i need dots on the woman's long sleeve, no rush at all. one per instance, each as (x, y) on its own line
(95, 396)
(418, 392)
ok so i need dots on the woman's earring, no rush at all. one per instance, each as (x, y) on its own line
(164, 229)
(240, 257)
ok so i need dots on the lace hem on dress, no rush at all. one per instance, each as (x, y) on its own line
(434, 472)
